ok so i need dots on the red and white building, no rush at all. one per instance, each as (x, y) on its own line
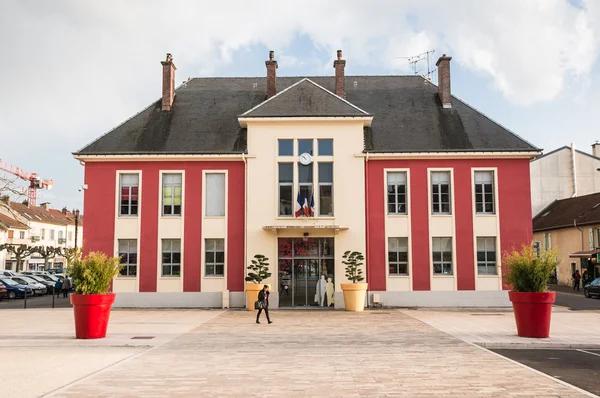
(188, 190)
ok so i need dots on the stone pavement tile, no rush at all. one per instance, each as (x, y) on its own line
(316, 353)
(498, 329)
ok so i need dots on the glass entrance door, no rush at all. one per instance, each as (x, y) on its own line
(301, 265)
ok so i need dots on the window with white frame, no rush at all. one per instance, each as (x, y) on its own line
(442, 256)
(129, 194)
(305, 182)
(51, 234)
(547, 241)
(598, 238)
(398, 256)
(325, 188)
(215, 194)
(172, 192)
(214, 257)
(22, 234)
(60, 235)
(43, 233)
(286, 147)
(486, 256)
(286, 182)
(591, 234)
(440, 192)
(484, 192)
(396, 192)
(171, 257)
(70, 235)
(537, 248)
(128, 256)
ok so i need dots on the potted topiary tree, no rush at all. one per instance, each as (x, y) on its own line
(355, 292)
(258, 271)
(91, 301)
(532, 302)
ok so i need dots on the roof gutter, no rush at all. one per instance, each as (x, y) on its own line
(449, 154)
(161, 157)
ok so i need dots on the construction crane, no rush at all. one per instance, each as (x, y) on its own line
(35, 181)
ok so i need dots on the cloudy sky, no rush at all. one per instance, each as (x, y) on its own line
(72, 70)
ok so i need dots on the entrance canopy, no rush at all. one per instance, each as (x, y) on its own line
(276, 228)
(585, 254)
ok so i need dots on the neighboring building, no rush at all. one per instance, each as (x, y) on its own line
(572, 225)
(564, 173)
(11, 231)
(188, 190)
(43, 226)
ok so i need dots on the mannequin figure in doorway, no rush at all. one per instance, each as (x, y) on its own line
(320, 294)
(330, 291)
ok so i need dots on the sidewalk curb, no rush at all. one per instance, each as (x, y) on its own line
(528, 346)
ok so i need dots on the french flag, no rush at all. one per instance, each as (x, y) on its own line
(305, 208)
(299, 209)
(312, 205)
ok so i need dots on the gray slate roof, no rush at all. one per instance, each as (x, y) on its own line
(407, 117)
(305, 99)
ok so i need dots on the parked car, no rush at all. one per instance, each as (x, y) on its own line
(3, 292)
(8, 273)
(38, 288)
(54, 271)
(15, 289)
(35, 273)
(49, 283)
(592, 289)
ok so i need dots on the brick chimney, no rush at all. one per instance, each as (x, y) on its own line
(271, 75)
(64, 211)
(5, 199)
(168, 83)
(596, 149)
(339, 64)
(45, 205)
(443, 68)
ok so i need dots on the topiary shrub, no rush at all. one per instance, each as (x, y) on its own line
(527, 272)
(353, 262)
(259, 269)
(93, 274)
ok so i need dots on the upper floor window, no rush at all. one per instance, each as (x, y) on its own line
(325, 189)
(442, 256)
(484, 192)
(22, 235)
(215, 194)
(51, 234)
(214, 255)
(171, 257)
(305, 182)
(398, 256)
(70, 235)
(547, 241)
(11, 234)
(325, 147)
(128, 188)
(486, 256)
(286, 147)
(440, 192)
(60, 235)
(305, 146)
(43, 233)
(396, 189)
(171, 194)
(286, 182)
(128, 255)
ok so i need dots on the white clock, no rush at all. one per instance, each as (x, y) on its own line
(305, 159)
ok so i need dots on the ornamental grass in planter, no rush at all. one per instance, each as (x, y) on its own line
(528, 274)
(258, 271)
(355, 292)
(91, 301)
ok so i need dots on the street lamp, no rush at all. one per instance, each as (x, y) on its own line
(76, 213)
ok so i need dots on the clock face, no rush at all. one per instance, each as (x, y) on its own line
(305, 159)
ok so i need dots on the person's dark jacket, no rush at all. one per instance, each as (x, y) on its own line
(261, 297)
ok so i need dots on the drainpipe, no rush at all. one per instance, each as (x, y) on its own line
(574, 171)
(367, 221)
(245, 213)
(580, 231)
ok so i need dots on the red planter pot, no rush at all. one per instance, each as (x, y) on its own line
(91, 314)
(532, 313)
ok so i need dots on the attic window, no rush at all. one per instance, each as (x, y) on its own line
(546, 213)
(596, 205)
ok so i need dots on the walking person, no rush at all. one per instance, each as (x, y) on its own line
(263, 303)
(57, 288)
(577, 280)
(585, 278)
(66, 287)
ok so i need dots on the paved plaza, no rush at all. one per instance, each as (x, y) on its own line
(190, 353)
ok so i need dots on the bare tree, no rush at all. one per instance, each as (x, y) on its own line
(9, 189)
(19, 251)
(47, 252)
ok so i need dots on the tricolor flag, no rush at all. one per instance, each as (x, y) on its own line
(305, 207)
(312, 205)
(298, 210)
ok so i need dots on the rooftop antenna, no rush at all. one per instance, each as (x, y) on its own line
(413, 60)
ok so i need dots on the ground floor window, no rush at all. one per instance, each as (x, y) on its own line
(128, 255)
(442, 256)
(306, 272)
(398, 256)
(486, 256)
(214, 257)
(171, 257)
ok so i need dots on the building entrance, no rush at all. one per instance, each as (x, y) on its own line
(301, 264)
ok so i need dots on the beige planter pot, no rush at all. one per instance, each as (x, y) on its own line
(354, 296)
(252, 290)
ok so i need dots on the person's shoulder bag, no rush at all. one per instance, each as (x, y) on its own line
(258, 305)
